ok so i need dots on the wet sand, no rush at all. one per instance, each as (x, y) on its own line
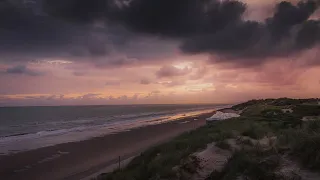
(76, 160)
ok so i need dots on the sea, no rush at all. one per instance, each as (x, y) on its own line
(27, 128)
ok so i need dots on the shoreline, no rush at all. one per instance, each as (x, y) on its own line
(20, 142)
(77, 160)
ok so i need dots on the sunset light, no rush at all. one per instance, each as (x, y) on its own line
(159, 89)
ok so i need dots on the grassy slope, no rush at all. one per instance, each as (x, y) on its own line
(259, 118)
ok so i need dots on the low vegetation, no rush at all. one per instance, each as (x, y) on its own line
(295, 139)
(223, 144)
(249, 164)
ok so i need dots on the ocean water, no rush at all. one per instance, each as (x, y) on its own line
(26, 128)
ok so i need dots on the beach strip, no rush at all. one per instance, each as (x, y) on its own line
(77, 160)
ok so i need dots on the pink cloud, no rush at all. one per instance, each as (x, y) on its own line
(168, 71)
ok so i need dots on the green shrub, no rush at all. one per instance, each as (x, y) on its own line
(254, 132)
(223, 144)
(222, 136)
(313, 126)
(306, 148)
(304, 145)
(307, 110)
(272, 113)
(250, 165)
(247, 142)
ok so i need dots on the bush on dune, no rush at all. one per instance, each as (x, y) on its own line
(307, 150)
(307, 110)
(223, 144)
(304, 143)
(249, 164)
(313, 126)
(255, 131)
(247, 104)
(274, 102)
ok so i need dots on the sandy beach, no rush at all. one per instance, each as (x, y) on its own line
(77, 160)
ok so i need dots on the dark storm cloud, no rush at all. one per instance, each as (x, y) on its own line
(236, 38)
(288, 15)
(180, 18)
(22, 31)
(64, 28)
(287, 32)
(23, 70)
(77, 10)
(169, 18)
(308, 35)
(29, 32)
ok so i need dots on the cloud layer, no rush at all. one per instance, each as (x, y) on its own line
(157, 51)
(23, 70)
(78, 29)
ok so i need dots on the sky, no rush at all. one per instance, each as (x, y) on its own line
(81, 52)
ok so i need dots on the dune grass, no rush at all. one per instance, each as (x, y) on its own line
(159, 161)
(249, 164)
(304, 144)
(260, 118)
(223, 144)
